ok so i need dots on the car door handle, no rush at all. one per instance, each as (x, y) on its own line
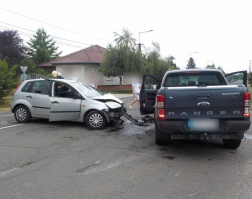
(29, 96)
(55, 102)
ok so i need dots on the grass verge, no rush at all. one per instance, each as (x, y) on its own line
(5, 103)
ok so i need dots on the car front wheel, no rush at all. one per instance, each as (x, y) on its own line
(95, 120)
(22, 114)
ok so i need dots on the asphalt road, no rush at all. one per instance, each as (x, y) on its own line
(66, 160)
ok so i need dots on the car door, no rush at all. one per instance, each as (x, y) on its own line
(38, 96)
(148, 94)
(64, 103)
(237, 78)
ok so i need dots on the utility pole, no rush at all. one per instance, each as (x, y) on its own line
(139, 44)
(250, 66)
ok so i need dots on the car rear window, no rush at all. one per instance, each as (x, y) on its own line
(26, 87)
(194, 78)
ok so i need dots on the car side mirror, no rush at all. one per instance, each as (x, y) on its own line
(78, 96)
(38, 91)
(158, 86)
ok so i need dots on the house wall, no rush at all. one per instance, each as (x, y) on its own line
(81, 71)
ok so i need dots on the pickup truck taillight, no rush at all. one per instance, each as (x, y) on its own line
(247, 103)
(16, 89)
(160, 106)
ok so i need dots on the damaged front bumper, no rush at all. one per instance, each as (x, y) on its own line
(114, 111)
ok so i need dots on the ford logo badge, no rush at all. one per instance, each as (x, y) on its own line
(203, 104)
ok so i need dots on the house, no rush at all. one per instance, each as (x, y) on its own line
(82, 63)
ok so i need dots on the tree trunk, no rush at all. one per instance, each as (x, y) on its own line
(120, 77)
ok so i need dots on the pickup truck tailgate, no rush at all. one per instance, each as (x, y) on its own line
(204, 102)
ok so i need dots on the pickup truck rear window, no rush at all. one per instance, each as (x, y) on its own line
(197, 78)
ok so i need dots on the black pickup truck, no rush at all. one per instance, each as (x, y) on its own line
(198, 104)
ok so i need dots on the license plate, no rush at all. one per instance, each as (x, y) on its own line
(203, 124)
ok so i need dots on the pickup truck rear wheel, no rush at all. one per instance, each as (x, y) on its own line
(232, 144)
(159, 137)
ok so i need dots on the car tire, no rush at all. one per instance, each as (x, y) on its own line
(232, 144)
(159, 137)
(22, 114)
(95, 120)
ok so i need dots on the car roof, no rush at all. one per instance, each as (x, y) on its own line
(57, 80)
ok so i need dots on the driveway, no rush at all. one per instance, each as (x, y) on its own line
(67, 160)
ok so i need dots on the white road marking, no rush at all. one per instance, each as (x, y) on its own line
(11, 126)
(6, 115)
(177, 174)
(194, 194)
(7, 172)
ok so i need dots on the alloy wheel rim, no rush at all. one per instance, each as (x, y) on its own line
(21, 114)
(96, 120)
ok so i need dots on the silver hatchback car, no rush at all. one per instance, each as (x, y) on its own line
(65, 100)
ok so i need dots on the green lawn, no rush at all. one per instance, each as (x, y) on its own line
(5, 103)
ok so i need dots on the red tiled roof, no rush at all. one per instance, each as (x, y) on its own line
(93, 54)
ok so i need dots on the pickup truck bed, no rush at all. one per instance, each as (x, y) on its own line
(198, 104)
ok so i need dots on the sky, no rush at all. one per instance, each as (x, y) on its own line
(219, 31)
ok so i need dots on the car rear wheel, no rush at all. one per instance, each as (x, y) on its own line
(232, 144)
(22, 114)
(159, 137)
(95, 120)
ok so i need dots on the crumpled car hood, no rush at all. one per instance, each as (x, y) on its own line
(107, 98)
(113, 105)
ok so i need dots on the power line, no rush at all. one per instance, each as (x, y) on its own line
(29, 35)
(50, 35)
(53, 25)
(65, 44)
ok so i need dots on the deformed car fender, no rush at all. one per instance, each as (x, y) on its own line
(91, 105)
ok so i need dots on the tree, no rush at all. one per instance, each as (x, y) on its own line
(42, 48)
(191, 64)
(210, 66)
(156, 65)
(250, 79)
(122, 57)
(12, 48)
(221, 69)
(7, 82)
(32, 67)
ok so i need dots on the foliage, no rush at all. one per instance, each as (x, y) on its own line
(191, 64)
(5, 103)
(250, 79)
(32, 67)
(7, 82)
(12, 48)
(124, 56)
(156, 65)
(121, 57)
(210, 66)
(42, 48)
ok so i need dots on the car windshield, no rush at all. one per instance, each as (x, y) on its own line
(86, 89)
(196, 78)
